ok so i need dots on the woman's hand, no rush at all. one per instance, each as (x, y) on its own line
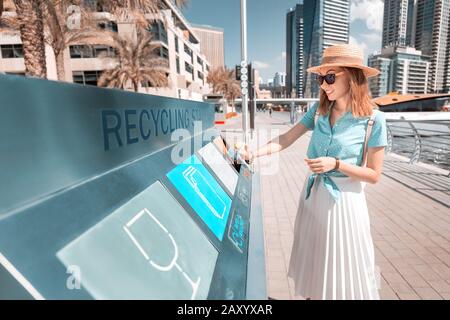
(321, 165)
(245, 152)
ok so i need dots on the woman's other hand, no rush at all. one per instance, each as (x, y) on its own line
(321, 165)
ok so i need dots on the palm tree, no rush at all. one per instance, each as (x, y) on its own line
(145, 6)
(136, 9)
(30, 14)
(230, 87)
(182, 4)
(7, 23)
(128, 10)
(215, 77)
(137, 63)
(224, 81)
(59, 35)
(31, 27)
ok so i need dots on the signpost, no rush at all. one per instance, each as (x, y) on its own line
(246, 77)
(244, 83)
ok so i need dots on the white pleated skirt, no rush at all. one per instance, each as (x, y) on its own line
(333, 254)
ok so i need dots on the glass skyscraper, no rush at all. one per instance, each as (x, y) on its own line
(403, 70)
(396, 15)
(324, 23)
(422, 25)
(379, 86)
(294, 52)
(432, 37)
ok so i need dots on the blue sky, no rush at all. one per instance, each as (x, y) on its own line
(266, 28)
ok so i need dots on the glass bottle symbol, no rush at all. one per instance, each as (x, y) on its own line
(173, 263)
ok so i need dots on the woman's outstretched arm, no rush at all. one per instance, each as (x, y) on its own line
(277, 144)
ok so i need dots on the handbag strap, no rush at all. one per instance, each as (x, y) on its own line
(370, 124)
(316, 117)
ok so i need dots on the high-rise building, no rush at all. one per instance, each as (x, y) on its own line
(432, 38)
(403, 70)
(379, 86)
(211, 44)
(447, 63)
(311, 27)
(325, 23)
(294, 52)
(410, 71)
(423, 25)
(395, 22)
(280, 79)
(411, 23)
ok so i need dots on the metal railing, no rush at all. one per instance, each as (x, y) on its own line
(426, 141)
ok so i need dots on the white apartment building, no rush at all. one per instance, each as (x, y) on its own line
(404, 70)
(379, 86)
(188, 67)
(336, 22)
(428, 30)
(211, 44)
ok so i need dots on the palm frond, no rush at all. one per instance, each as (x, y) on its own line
(182, 4)
(223, 81)
(137, 63)
(132, 10)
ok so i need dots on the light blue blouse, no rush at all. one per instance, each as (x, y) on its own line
(344, 141)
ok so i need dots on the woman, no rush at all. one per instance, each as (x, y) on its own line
(333, 255)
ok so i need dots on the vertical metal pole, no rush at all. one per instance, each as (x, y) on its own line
(244, 58)
(292, 111)
(254, 109)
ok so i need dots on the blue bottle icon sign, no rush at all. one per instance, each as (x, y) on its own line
(203, 193)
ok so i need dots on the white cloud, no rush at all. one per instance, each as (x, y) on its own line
(361, 44)
(374, 37)
(370, 11)
(260, 65)
(282, 56)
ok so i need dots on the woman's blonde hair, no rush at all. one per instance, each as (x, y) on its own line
(359, 94)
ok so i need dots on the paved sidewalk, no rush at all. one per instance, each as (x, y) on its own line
(411, 232)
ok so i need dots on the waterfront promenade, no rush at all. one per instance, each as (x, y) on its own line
(410, 228)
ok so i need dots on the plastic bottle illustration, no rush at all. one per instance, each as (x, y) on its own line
(194, 177)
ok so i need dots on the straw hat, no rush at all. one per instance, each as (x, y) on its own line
(344, 55)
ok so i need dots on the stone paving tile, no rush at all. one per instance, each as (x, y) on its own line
(388, 294)
(428, 294)
(408, 296)
(440, 286)
(411, 232)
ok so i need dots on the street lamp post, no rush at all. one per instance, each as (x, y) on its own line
(244, 83)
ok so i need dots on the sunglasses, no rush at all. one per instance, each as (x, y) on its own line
(329, 78)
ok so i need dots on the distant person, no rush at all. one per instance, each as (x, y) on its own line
(446, 106)
(270, 112)
(333, 254)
